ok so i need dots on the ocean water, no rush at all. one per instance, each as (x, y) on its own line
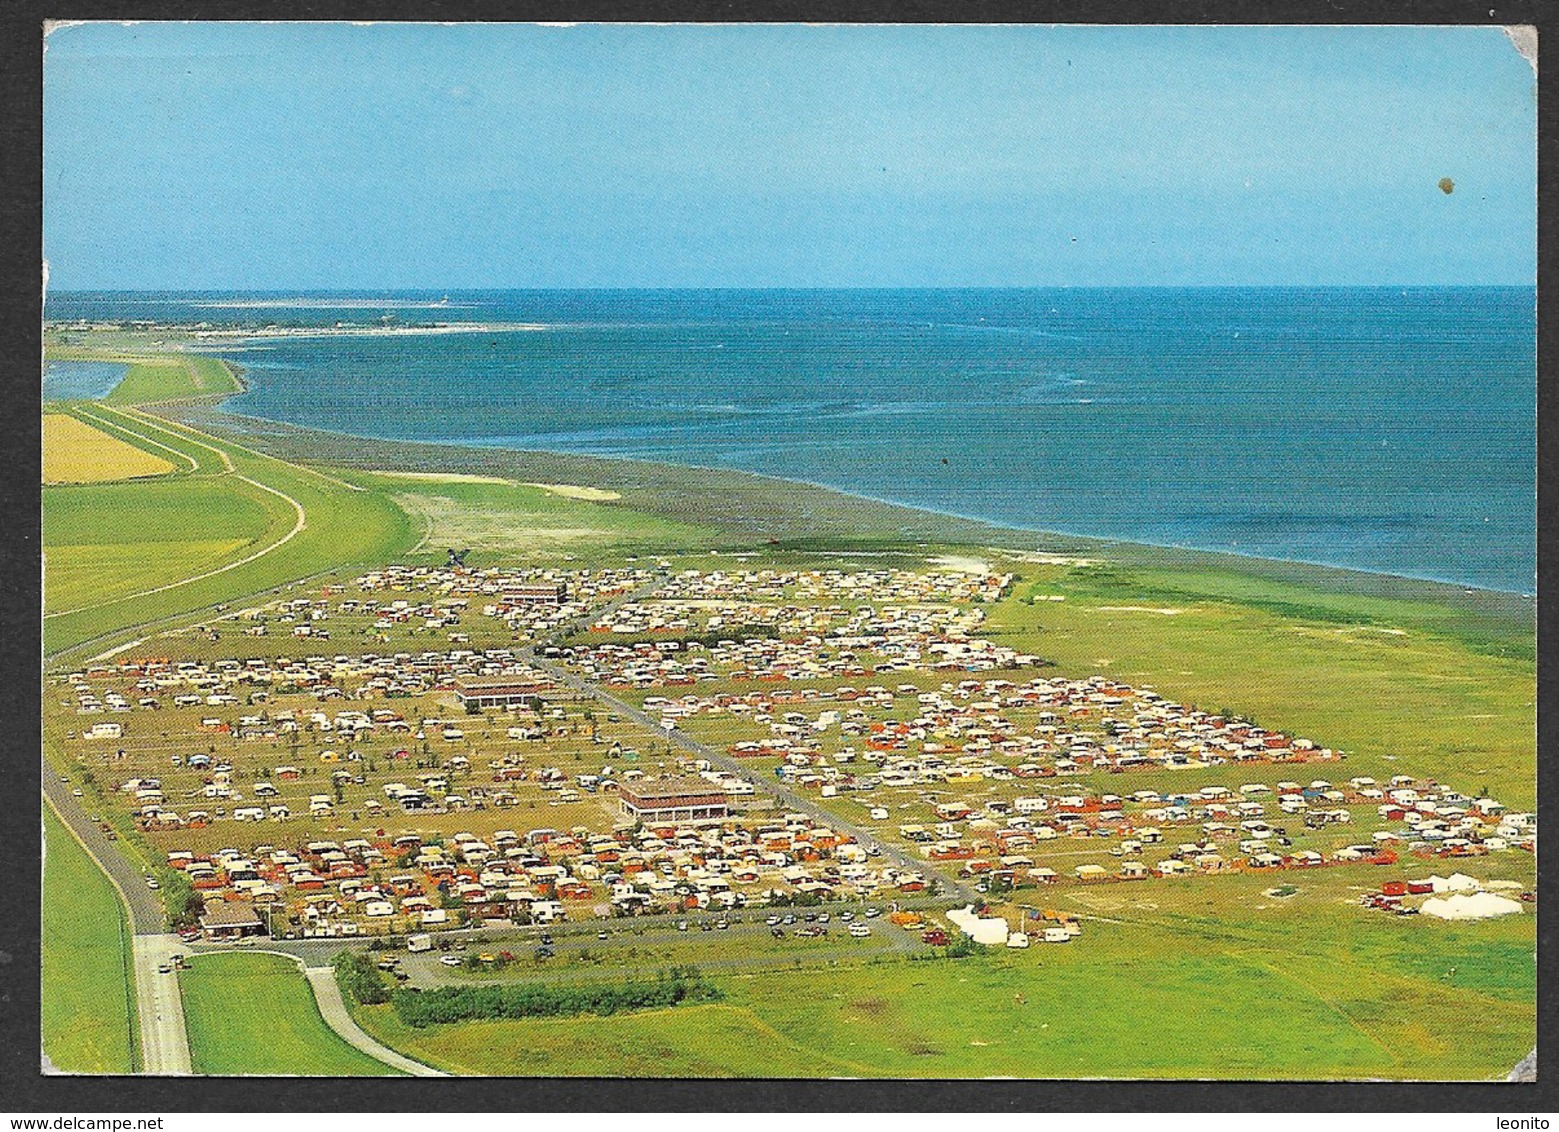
(64, 381)
(1381, 429)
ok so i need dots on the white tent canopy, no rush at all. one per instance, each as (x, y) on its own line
(1478, 906)
(981, 930)
(1456, 882)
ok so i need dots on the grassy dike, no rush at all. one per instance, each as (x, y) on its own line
(187, 543)
(253, 1014)
(188, 375)
(88, 988)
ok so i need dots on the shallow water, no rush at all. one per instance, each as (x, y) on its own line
(64, 381)
(1381, 429)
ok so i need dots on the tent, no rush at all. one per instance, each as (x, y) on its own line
(981, 930)
(1456, 882)
(1478, 906)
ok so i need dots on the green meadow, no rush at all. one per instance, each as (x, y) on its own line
(187, 543)
(1400, 686)
(189, 375)
(521, 522)
(105, 541)
(254, 1014)
(1327, 993)
(88, 988)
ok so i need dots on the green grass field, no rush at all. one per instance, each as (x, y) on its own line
(178, 528)
(1172, 995)
(1401, 686)
(106, 541)
(254, 1014)
(186, 376)
(518, 522)
(88, 991)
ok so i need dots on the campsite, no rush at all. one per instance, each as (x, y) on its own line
(419, 748)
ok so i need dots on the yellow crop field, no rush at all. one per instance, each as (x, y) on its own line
(75, 452)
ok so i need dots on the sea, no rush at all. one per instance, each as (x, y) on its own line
(1382, 429)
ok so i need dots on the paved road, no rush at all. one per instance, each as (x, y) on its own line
(952, 887)
(319, 952)
(159, 1006)
(323, 982)
(164, 1043)
(146, 914)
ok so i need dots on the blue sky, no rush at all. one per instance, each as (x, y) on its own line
(229, 156)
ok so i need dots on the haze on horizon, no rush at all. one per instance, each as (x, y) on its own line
(337, 156)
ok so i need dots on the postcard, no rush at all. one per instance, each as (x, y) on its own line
(789, 551)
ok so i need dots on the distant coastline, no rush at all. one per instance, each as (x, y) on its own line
(233, 334)
(1251, 422)
(825, 512)
(200, 333)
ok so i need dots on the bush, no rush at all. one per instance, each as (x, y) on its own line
(180, 900)
(358, 977)
(963, 947)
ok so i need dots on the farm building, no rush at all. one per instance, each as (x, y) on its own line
(673, 799)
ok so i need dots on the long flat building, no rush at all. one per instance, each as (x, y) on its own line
(673, 799)
(537, 593)
(500, 691)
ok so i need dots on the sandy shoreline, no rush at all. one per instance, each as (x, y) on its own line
(565, 490)
(270, 334)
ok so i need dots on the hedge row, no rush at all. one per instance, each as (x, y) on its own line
(539, 1000)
